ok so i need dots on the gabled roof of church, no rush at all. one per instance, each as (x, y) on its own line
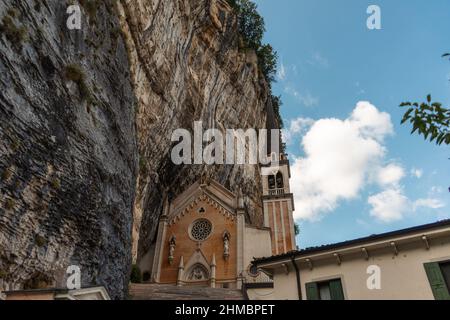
(212, 192)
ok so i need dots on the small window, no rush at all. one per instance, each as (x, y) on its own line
(438, 274)
(271, 180)
(325, 290)
(280, 183)
(445, 269)
(253, 270)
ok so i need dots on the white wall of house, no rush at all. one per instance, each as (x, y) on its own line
(403, 275)
(257, 244)
(261, 294)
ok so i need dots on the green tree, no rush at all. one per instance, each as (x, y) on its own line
(267, 60)
(429, 119)
(276, 104)
(252, 28)
(296, 229)
(251, 24)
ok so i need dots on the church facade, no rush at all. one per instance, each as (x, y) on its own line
(204, 240)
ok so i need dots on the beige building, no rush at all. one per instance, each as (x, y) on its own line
(411, 264)
(204, 239)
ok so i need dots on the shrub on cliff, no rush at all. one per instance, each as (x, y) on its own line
(135, 276)
(251, 24)
(251, 29)
(267, 60)
(76, 74)
(276, 105)
(16, 35)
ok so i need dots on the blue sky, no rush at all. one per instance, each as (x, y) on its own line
(329, 61)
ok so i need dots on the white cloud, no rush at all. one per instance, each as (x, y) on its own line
(418, 173)
(436, 190)
(371, 122)
(390, 175)
(304, 98)
(389, 205)
(430, 203)
(281, 74)
(342, 157)
(298, 126)
(339, 156)
(318, 60)
(360, 91)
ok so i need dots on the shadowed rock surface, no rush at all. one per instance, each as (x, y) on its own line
(86, 118)
(68, 153)
(187, 66)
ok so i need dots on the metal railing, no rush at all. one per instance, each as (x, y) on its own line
(276, 192)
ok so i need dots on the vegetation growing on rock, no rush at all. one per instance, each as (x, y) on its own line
(15, 34)
(40, 241)
(251, 29)
(76, 74)
(9, 204)
(135, 276)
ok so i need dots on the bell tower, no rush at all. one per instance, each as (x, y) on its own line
(279, 206)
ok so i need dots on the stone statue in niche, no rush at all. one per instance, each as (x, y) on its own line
(226, 245)
(172, 244)
(198, 273)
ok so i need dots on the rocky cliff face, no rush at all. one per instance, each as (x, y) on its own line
(68, 147)
(86, 121)
(187, 66)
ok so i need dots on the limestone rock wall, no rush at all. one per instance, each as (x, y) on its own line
(86, 119)
(68, 151)
(186, 66)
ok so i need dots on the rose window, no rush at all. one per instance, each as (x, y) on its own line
(201, 229)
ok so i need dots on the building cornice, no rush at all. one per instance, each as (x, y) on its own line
(363, 246)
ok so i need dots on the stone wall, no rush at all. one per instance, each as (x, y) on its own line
(68, 151)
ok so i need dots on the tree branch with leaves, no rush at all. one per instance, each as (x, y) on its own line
(429, 119)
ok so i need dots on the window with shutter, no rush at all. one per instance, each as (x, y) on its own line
(325, 290)
(445, 269)
(336, 290)
(437, 281)
(312, 291)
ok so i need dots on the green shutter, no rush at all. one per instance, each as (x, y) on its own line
(437, 281)
(312, 291)
(336, 290)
